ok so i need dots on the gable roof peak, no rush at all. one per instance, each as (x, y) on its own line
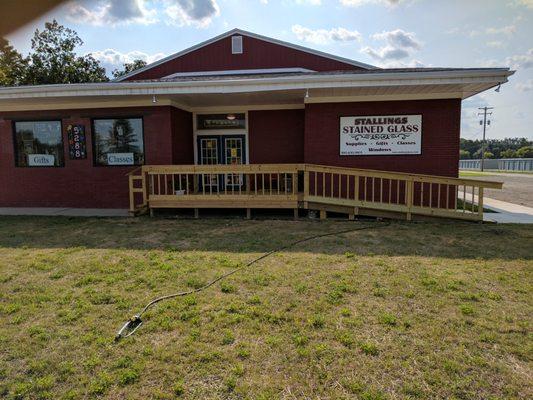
(252, 35)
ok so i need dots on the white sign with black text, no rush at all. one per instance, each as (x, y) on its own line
(41, 160)
(380, 135)
(120, 159)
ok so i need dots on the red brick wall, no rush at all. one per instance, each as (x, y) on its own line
(257, 54)
(440, 136)
(79, 183)
(182, 137)
(276, 136)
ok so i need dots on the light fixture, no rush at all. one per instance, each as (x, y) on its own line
(231, 117)
(154, 99)
(306, 93)
(498, 88)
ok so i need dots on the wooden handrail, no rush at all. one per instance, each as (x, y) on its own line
(405, 175)
(134, 171)
(276, 185)
(238, 168)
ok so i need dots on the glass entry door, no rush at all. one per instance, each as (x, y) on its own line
(222, 149)
(209, 155)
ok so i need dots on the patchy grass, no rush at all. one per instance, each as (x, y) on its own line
(467, 205)
(407, 311)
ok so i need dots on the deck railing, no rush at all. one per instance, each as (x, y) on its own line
(306, 186)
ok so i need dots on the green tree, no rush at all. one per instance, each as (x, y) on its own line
(54, 60)
(509, 153)
(12, 65)
(128, 67)
(488, 154)
(464, 154)
(525, 152)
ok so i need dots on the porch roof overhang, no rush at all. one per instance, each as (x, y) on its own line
(289, 89)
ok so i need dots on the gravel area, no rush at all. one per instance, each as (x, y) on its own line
(517, 188)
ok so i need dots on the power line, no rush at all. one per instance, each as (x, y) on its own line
(484, 122)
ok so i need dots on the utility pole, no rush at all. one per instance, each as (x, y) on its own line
(484, 122)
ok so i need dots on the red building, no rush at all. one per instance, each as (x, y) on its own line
(237, 98)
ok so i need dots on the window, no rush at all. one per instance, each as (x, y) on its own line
(221, 121)
(38, 144)
(236, 45)
(118, 141)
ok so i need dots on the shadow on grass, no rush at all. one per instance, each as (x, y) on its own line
(447, 239)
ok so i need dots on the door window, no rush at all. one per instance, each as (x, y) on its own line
(209, 156)
(233, 150)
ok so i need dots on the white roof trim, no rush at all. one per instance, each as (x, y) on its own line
(238, 85)
(239, 72)
(237, 31)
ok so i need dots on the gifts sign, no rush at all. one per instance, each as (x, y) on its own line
(76, 142)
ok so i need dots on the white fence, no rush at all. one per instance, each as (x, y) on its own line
(504, 164)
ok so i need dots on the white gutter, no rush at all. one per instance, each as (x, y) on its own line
(239, 85)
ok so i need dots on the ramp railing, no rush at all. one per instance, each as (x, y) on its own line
(306, 186)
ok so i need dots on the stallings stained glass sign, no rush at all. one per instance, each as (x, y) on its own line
(76, 142)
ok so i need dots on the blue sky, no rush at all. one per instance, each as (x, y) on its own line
(387, 33)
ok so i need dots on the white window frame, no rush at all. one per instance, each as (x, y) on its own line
(234, 43)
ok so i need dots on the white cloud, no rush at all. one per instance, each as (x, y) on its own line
(386, 53)
(526, 86)
(522, 61)
(399, 46)
(312, 2)
(323, 36)
(399, 38)
(199, 13)
(525, 3)
(110, 12)
(116, 58)
(492, 63)
(496, 43)
(506, 30)
(358, 3)
(401, 64)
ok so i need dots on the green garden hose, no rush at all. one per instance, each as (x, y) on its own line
(135, 321)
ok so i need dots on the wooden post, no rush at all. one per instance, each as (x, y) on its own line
(306, 185)
(248, 213)
(132, 195)
(480, 203)
(323, 214)
(196, 213)
(351, 216)
(295, 213)
(144, 186)
(409, 201)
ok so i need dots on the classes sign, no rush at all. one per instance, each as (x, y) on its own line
(380, 135)
(76, 142)
(120, 159)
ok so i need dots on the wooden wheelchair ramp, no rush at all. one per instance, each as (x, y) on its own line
(306, 186)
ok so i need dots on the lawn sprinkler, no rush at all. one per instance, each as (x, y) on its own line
(129, 327)
(135, 322)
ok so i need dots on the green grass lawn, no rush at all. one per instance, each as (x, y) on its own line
(406, 311)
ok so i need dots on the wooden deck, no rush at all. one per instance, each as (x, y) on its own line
(306, 186)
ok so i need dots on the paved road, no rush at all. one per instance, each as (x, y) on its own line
(517, 188)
